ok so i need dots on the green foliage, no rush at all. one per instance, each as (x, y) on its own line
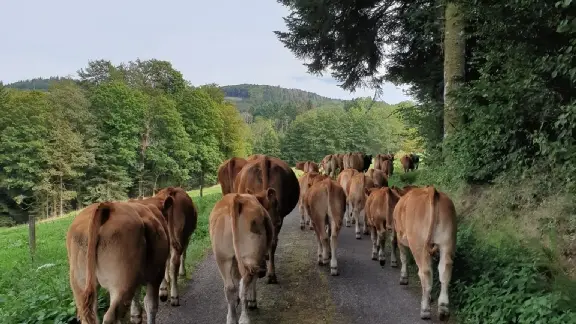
(39, 291)
(120, 131)
(323, 131)
(264, 138)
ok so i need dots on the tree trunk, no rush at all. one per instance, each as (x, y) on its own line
(201, 183)
(454, 60)
(32, 234)
(61, 198)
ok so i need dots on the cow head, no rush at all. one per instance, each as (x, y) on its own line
(267, 198)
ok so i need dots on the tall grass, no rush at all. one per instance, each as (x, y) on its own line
(38, 291)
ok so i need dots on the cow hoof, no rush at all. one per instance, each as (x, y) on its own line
(403, 280)
(251, 304)
(383, 262)
(443, 312)
(135, 319)
(334, 271)
(301, 227)
(182, 275)
(374, 257)
(358, 236)
(175, 301)
(425, 314)
(366, 233)
(394, 264)
(320, 263)
(272, 279)
(348, 224)
(163, 298)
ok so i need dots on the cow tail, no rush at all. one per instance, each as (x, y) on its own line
(101, 214)
(265, 168)
(169, 202)
(236, 211)
(434, 214)
(389, 210)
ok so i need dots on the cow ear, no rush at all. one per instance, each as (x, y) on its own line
(168, 203)
(271, 194)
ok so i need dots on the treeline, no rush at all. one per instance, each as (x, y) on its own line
(122, 131)
(119, 131)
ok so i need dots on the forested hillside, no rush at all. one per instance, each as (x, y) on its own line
(124, 130)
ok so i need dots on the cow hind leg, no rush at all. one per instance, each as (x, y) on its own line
(136, 308)
(174, 268)
(229, 271)
(381, 244)
(165, 282)
(394, 250)
(364, 222)
(403, 260)
(117, 309)
(151, 301)
(302, 215)
(374, 237)
(424, 262)
(245, 284)
(271, 273)
(445, 274)
(356, 215)
(182, 270)
(251, 299)
(334, 230)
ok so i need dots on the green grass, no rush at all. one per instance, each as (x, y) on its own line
(38, 291)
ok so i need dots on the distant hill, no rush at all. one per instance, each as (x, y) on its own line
(246, 95)
(41, 84)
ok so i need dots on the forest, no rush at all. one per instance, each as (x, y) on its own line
(124, 130)
(496, 110)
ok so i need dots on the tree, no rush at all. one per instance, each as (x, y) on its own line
(264, 138)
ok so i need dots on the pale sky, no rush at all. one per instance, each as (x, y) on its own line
(225, 42)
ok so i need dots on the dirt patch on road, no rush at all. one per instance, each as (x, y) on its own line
(302, 295)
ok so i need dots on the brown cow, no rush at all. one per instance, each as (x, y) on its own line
(310, 166)
(228, 171)
(270, 172)
(356, 161)
(305, 182)
(182, 219)
(241, 232)
(357, 199)
(407, 163)
(380, 179)
(325, 202)
(425, 222)
(120, 246)
(379, 208)
(339, 162)
(329, 165)
(300, 165)
(344, 181)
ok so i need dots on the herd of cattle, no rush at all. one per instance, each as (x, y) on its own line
(124, 245)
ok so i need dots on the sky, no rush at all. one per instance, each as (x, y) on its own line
(224, 42)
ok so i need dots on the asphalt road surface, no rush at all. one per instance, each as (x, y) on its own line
(363, 293)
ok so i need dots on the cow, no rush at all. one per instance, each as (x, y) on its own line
(379, 208)
(425, 222)
(300, 165)
(339, 161)
(344, 181)
(310, 166)
(387, 167)
(120, 246)
(415, 160)
(182, 218)
(305, 182)
(356, 161)
(379, 177)
(325, 203)
(407, 163)
(357, 199)
(367, 159)
(227, 172)
(241, 233)
(270, 172)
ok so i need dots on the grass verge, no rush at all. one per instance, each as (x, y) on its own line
(38, 291)
(509, 265)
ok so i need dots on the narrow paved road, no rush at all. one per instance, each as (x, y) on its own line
(363, 293)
